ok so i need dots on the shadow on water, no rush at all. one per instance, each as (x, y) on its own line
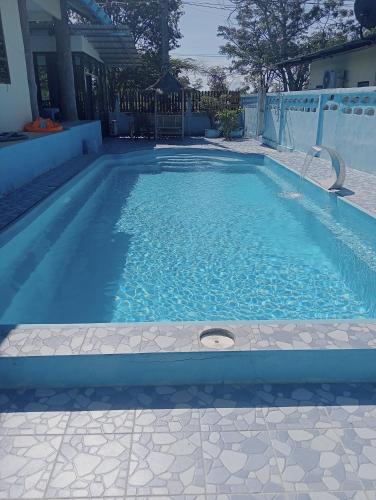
(70, 271)
(189, 397)
(344, 192)
(95, 269)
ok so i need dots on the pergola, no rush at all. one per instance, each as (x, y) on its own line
(169, 97)
(114, 44)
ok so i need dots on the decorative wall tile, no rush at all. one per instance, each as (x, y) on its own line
(33, 423)
(174, 337)
(54, 342)
(293, 407)
(233, 408)
(91, 465)
(166, 464)
(313, 460)
(25, 465)
(167, 420)
(104, 410)
(112, 340)
(12, 340)
(360, 446)
(240, 462)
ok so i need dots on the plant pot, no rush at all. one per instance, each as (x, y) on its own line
(212, 133)
(237, 133)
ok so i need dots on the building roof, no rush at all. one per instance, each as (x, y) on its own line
(330, 51)
(167, 83)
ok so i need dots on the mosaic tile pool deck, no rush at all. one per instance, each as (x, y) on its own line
(192, 442)
(134, 338)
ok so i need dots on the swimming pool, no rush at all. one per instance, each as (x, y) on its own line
(187, 236)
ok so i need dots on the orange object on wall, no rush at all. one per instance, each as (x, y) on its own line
(40, 125)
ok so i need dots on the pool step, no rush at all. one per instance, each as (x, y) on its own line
(159, 354)
(21, 255)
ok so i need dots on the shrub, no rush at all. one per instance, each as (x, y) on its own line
(228, 121)
(210, 105)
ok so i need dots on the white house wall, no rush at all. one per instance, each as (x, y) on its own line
(359, 64)
(15, 109)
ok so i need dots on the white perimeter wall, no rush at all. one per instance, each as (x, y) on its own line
(15, 108)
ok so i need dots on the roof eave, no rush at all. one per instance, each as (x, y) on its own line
(331, 51)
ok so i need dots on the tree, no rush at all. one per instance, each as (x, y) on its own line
(217, 79)
(185, 69)
(143, 20)
(268, 32)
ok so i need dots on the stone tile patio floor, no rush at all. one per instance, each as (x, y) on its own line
(107, 338)
(190, 442)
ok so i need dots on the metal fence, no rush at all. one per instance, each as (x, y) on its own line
(136, 101)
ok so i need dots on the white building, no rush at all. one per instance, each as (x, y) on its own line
(19, 97)
(352, 64)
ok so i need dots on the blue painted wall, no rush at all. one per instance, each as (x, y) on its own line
(260, 366)
(20, 162)
(344, 119)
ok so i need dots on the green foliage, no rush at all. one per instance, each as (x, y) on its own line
(143, 19)
(211, 105)
(184, 69)
(228, 121)
(217, 79)
(268, 32)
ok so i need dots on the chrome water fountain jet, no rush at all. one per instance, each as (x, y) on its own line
(337, 179)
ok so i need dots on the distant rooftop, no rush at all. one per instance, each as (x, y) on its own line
(330, 51)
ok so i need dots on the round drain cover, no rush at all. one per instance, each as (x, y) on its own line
(217, 338)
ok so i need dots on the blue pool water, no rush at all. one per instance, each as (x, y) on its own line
(189, 236)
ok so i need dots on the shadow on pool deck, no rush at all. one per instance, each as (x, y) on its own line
(189, 397)
(120, 145)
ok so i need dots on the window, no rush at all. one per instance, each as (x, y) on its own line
(4, 68)
(42, 78)
(363, 84)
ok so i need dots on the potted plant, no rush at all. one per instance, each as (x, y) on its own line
(210, 106)
(229, 123)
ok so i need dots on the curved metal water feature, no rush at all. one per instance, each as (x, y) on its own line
(338, 165)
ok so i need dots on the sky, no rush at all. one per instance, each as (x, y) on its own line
(199, 29)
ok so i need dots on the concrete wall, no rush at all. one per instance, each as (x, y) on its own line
(22, 161)
(360, 65)
(344, 119)
(15, 108)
